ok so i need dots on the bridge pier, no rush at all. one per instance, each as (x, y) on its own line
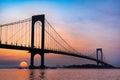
(42, 62)
(42, 66)
(32, 61)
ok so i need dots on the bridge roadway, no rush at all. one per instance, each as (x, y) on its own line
(38, 50)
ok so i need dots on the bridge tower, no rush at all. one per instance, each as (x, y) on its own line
(99, 55)
(36, 18)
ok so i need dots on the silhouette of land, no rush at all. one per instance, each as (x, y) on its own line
(84, 66)
(89, 66)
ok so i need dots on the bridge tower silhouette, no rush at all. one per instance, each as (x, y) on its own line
(99, 55)
(36, 18)
(41, 39)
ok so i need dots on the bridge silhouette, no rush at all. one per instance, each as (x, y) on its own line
(37, 36)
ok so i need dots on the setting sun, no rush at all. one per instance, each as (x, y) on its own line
(23, 64)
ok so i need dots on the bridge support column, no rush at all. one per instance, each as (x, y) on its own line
(42, 62)
(36, 18)
(42, 41)
(99, 52)
(32, 61)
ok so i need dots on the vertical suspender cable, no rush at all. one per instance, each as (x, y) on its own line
(52, 42)
(39, 35)
(48, 39)
(16, 36)
(35, 34)
(12, 33)
(6, 34)
(25, 33)
(0, 34)
(20, 33)
(29, 33)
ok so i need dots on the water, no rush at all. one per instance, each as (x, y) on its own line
(60, 74)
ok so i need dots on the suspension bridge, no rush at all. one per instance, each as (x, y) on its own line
(37, 36)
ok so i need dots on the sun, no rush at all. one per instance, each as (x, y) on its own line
(23, 64)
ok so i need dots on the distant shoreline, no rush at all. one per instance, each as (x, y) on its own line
(64, 68)
(69, 67)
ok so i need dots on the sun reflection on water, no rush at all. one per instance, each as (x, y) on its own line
(37, 75)
(59, 74)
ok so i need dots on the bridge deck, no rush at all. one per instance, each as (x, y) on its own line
(38, 50)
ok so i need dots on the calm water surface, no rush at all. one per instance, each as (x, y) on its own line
(60, 74)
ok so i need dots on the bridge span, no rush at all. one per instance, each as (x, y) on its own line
(37, 36)
(38, 51)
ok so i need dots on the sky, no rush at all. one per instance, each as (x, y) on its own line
(84, 24)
